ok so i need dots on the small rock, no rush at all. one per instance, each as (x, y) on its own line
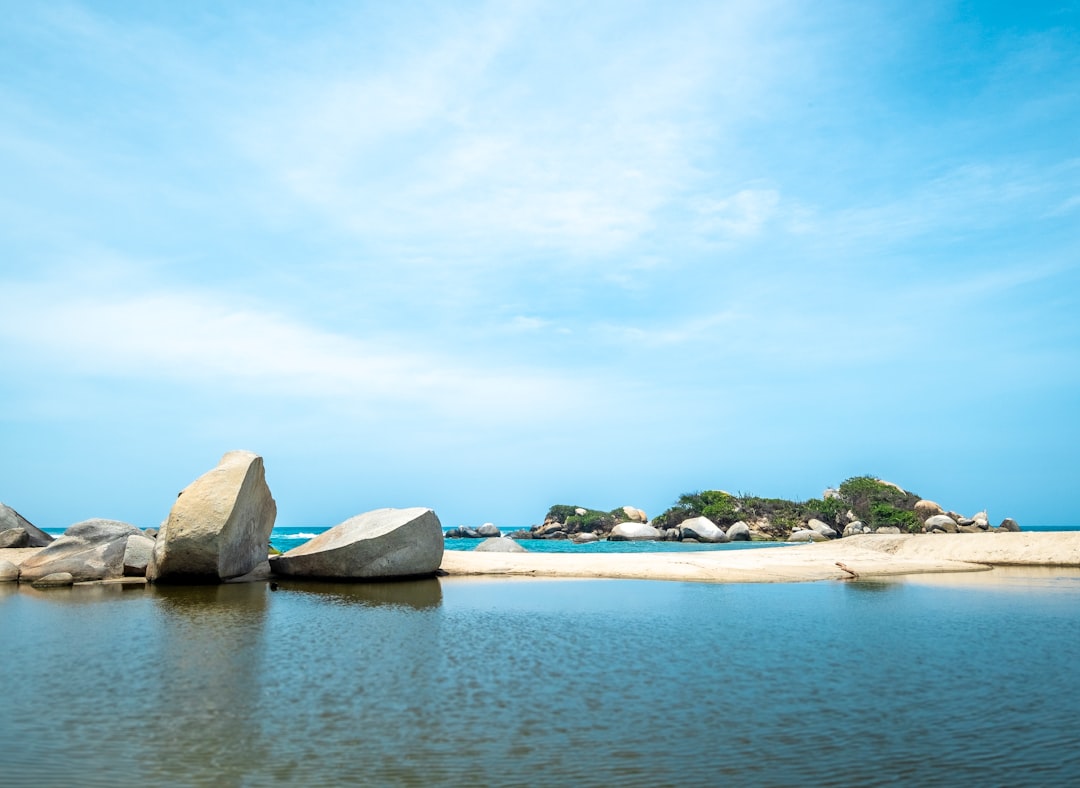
(807, 535)
(137, 555)
(498, 544)
(54, 580)
(887, 529)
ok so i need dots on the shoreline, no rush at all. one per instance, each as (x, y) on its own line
(866, 556)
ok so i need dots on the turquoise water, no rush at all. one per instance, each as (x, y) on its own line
(947, 680)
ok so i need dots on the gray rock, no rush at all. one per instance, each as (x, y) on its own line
(887, 529)
(941, 522)
(137, 554)
(633, 532)
(739, 532)
(90, 550)
(1009, 524)
(9, 573)
(703, 529)
(855, 528)
(382, 543)
(807, 535)
(469, 533)
(9, 518)
(585, 537)
(498, 544)
(521, 534)
(488, 530)
(822, 528)
(14, 537)
(220, 525)
(54, 580)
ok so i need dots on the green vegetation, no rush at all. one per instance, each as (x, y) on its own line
(869, 499)
(592, 521)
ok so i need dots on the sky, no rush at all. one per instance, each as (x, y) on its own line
(487, 257)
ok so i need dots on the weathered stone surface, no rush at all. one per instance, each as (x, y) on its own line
(9, 573)
(382, 543)
(137, 555)
(633, 532)
(738, 532)
(54, 580)
(489, 530)
(941, 522)
(807, 535)
(14, 537)
(9, 518)
(220, 525)
(1009, 524)
(981, 520)
(497, 544)
(925, 509)
(90, 550)
(822, 528)
(635, 514)
(703, 529)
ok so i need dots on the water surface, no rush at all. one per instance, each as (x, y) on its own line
(526, 682)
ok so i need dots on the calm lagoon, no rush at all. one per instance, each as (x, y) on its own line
(944, 679)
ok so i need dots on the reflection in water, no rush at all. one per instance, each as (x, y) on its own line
(542, 683)
(417, 594)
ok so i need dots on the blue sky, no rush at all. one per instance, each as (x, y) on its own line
(488, 257)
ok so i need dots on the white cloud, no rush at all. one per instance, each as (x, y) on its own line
(741, 215)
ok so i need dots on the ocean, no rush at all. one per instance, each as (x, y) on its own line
(963, 679)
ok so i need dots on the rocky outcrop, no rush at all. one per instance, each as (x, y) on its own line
(9, 519)
(633, 532)
(90, 550)
(382, 543)
(219, 527)
(498, 544)
(703, 529)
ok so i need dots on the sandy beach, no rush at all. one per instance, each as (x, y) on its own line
(864, 556)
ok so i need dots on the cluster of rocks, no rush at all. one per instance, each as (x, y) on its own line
(485, 531)
(218, 530)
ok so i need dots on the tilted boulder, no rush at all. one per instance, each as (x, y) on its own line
(382, 543)
(219, 527)
(90, 550)
(633, 532)
(9, 518)
(703, 529)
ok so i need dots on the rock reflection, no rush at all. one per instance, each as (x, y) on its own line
(416, 594)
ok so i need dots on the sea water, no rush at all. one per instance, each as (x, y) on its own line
(936, 680)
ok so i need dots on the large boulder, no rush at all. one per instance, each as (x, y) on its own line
(941, 522)
(633, 532)
(489, 530)
(382, 543)
(822, 528)
(9, 518)
(499, 544)
(1009, 524)
(738, 532)
(807, 535)
(137, 555)
(926, 509)
(90, 550)
(220, 525)
(635, 515)
(14, 537)
(703, 529)
(9, 573)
